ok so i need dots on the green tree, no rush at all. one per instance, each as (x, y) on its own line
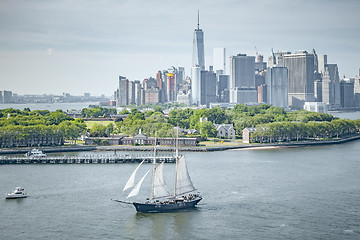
(207, 129)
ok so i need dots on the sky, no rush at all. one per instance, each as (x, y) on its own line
(51, 47)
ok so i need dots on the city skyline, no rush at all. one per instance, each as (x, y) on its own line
(55, 47)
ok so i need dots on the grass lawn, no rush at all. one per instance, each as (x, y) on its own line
(219, 142)
(89, 124)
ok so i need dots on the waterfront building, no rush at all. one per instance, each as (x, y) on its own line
(357, 91)
(347, 97)
(246, 134)
(225, 130)
(219, 60)
(198, 47)
(319, 107)
(301, 78)
(6, 96)
(277, 86)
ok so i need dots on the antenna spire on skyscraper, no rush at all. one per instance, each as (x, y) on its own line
(198, 19)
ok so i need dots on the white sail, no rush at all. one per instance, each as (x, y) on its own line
(183, 181)
(159, 186)
(136, 189)
(131, 182)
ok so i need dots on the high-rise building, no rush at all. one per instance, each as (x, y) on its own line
(208, 88)
(301, 78)
(357, 91)
(198, 47)
(347, 97)
(131, 92)
(262, 93)
(137, 91)
(223, 88)
(195, 85)
(123, 93)
(171, 87)
(277, 86)
(242, 79)
(260, 65)
(242, 71)
(330, 85)
(219, 60)
(159, 81)
(318, 90)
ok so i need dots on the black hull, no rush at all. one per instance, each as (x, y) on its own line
(160, 207)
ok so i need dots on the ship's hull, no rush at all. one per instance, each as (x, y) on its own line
(15, 196)
(165, 207)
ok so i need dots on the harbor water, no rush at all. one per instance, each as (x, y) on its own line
(274, 193)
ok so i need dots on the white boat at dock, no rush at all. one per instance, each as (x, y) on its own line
(35, 153)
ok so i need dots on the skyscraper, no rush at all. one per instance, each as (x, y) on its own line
(198, 47)
(198, 64)
(301, 78)
(242, 71)
(195, 85)
(277, 86)
(242, 79)
(208, 88)
(123, 93)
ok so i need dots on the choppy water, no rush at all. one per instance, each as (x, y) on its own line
(290, 193)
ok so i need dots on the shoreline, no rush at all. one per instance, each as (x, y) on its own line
(79, 148)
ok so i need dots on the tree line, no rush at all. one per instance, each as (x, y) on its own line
(297, 131)
(37, 128)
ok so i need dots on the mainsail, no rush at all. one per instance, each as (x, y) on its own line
(136, 189)
(131, 182)
(159, 186)
(183, 181)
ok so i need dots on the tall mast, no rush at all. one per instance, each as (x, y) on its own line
(154, 168)
(176, 157)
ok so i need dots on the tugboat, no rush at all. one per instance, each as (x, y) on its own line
(35, 153)
(17, 193)
(185, 194)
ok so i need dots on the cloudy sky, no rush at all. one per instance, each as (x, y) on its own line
(83, 46)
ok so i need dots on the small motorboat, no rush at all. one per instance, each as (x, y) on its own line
(35, 153)
(17, 193)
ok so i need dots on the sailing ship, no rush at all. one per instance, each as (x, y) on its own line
(185, 194)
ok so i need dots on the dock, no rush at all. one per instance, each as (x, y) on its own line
(95, 159)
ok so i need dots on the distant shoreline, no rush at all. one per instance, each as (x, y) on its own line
(120, 148)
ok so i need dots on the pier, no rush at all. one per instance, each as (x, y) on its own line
(85, 159)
